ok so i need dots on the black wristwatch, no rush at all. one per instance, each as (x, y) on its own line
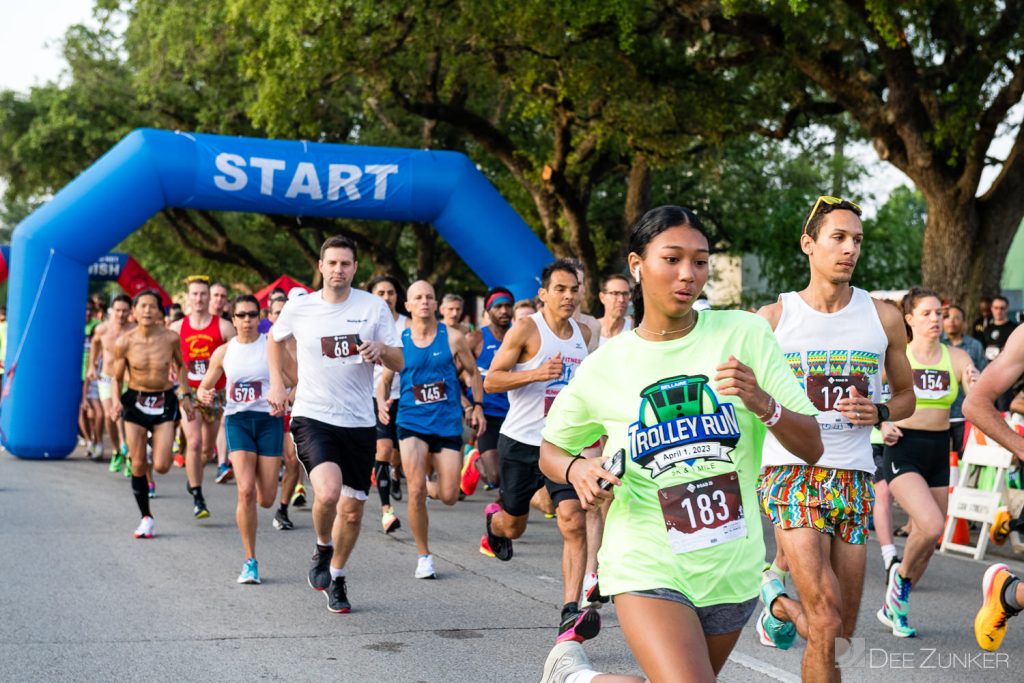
(883, 413)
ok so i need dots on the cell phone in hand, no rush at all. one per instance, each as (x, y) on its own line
(616, 465)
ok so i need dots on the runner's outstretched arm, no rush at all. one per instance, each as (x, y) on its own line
(998, 377)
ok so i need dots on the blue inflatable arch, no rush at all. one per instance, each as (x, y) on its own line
(151, 169)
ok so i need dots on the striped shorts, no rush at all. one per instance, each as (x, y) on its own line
(834, 502)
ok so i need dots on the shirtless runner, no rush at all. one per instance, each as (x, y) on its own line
(149, 353)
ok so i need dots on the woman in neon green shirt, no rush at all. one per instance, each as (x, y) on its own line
(688, 397)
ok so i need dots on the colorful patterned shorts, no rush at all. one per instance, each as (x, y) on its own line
(211, 413)
(835, 502)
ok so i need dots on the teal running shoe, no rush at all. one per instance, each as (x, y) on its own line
(772, 631)
(250, 572)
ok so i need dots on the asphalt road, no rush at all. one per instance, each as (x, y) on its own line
(80, 599)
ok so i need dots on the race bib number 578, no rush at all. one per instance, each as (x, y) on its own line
(340, 349)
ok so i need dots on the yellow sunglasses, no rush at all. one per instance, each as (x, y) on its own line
(831, 201)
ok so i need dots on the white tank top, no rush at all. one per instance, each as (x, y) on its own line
(378, 370)
(529, 405)
(829, 352)
(627, 325)
(245, 366)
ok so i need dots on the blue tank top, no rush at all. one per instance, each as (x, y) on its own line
(429, 403)
(495, 405)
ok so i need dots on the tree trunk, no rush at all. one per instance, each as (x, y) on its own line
(575, 215)
(948, 263)
(638, 197)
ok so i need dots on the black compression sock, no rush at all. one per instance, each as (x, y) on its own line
(283, 508)
(140, 489)
(382, 470)
(570, 608)
(1009, 596)
(197, 493)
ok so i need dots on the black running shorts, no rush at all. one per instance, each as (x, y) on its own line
(921, 452)
(489, 440)
(352, 449)
(521, 477)
(149, 408)
(387, 431)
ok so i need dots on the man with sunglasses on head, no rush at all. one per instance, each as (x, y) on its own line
(340, 334)
(838, 342)
(614, 296)
(201, 333)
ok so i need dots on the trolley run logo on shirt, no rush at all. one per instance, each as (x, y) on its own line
(681, 421)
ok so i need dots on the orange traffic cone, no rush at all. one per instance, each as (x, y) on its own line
(961, 532)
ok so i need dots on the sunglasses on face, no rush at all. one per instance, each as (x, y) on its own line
(828, 201)
(247, 314)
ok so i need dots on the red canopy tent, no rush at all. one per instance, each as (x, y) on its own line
(285, 282)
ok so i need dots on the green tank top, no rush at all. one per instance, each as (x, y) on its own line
(935, 386)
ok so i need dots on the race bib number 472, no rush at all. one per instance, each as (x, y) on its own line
(340, 349)
(703, 513)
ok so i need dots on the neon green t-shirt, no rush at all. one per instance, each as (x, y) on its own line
(686, 516)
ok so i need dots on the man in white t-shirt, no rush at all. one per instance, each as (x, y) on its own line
(340, 333)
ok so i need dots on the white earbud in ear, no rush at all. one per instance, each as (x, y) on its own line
(636, 274)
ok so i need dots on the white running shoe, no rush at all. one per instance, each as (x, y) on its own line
(565, 658)
(145, 528)
(425, 567)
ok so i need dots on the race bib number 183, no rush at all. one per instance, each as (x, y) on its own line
(703, 513)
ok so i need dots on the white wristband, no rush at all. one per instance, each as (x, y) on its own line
(776, 415)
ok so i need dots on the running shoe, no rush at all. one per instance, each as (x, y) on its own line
(179, 460)
(470, 474)
(390, 522)
(425, 567)
(96, 452)
(320, 570)
(146, 528)
(116, 462)
(127, 469)
(152, 489)
(1000, 530)
(772, 631)
(897, 592)
(496, 546)
(592, 593)
(396, 484)
(224, 473)
(337, 596)
(990, 622)
(200, 510)
(250, 572)
(897, 622)
(281, 520)
(564, 659)
(299, 497)
(579, 626)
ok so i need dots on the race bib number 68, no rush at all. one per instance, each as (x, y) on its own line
(340, 349)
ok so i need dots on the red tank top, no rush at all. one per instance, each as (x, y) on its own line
(196, 348)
